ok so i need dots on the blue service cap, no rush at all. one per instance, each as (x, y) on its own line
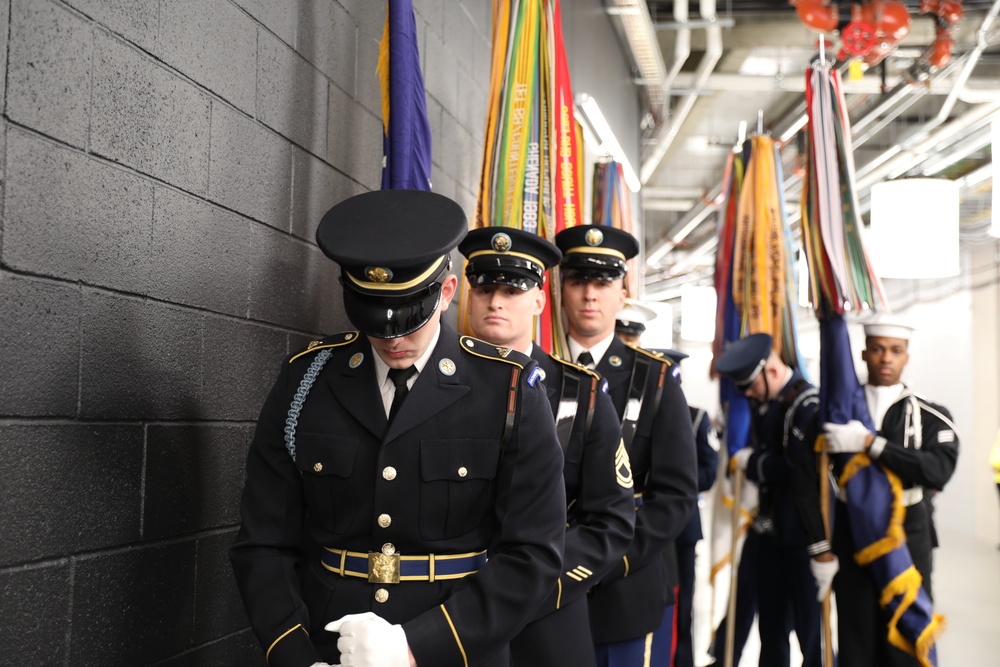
(507, 256)
(743, 361)
(595, 252)
(393, 249)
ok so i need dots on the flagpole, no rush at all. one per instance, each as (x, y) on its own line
(823, 465)
(734, 568)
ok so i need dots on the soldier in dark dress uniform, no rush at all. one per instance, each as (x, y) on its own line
(918, 441)
(506, 271)
(795, 565)
(627, 607)
(707, 448)
(404, 502)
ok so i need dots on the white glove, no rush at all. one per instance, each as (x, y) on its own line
(368, 640)
(846, 438)
(823, 573)
(740, 459)
(321, 664)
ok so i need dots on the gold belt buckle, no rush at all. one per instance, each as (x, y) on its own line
(383, 566)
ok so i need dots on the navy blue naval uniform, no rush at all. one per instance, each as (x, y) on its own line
(921, 447)
(600, 516)
(631, 599)
(789, 523)
(469, 471)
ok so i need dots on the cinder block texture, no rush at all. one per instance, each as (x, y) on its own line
(251, 168)
(146, 117)
(136, 21)
(327, 38)
(239, 650)
(218, 606)
(294, 284)
(4, 20)
(68, 488)
(91, 223)
(48, 70)
(133, 607)
(40, 350)
(194, 477)
(35, 606)
(370, 16)
(355, 140)
(199, 254)
(239, 364)
(139, 360)
(291, 95)
(316, 188)
(280, 17)
(368, 90)
(214, 43)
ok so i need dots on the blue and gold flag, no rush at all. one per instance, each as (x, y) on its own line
(406, 137)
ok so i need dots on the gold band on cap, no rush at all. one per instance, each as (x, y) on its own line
(494, 253)
(395, 287)
(589, 250)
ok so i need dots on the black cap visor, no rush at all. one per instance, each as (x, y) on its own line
(391, 317)
(592, 267)
(512, 271)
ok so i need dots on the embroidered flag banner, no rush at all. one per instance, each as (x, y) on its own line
(530, 176)
(842, 281)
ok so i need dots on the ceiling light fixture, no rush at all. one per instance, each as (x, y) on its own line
(609, 142)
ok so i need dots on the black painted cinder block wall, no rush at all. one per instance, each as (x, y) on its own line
(163, 165)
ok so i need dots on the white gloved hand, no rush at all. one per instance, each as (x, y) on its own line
(321, 664)
(846, 438)
(740, 459)
(823, 573)
(368, 640)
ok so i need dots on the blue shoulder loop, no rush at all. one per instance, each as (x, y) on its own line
(534, 376)
(604, 386)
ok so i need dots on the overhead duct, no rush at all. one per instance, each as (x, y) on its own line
(665, 136)
(636, 25)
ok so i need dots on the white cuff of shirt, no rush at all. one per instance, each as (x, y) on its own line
(875, 450)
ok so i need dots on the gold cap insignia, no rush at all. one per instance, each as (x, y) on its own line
(501, 242)
(378, 274)
(615, 361)
(446, 366)
(594, 237)
(356, 360)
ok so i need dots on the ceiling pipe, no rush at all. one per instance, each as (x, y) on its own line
(636, 27)
(682, 45)
(665, 136)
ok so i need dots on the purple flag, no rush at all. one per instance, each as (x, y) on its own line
(406, 132)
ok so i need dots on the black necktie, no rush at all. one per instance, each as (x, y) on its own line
(585, 358)
(399, 377)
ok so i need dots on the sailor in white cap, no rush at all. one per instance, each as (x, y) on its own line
(631, 321)
(917, 440)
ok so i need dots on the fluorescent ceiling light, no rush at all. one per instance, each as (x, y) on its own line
(609, 142)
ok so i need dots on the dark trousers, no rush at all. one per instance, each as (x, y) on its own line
(652, 650)
(787, 602)
(560, 638)
(862, 624)
(746, 602)
(684, 655)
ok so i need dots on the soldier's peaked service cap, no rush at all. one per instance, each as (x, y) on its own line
(507, 256)
(393, 250)
(743, 361)
(595, 252)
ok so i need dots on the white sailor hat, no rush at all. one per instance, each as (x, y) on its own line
(888, 326)
(632, 319)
